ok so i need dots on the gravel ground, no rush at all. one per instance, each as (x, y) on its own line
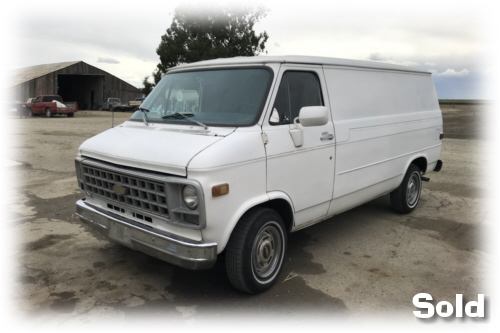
(360, 266)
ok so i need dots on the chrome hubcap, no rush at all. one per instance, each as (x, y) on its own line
(266, 251)
(413, 189)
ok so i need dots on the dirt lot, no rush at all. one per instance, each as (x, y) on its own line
(362, 265)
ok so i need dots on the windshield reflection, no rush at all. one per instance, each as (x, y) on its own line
(220, 97)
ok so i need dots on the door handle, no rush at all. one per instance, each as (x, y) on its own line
(327, 136)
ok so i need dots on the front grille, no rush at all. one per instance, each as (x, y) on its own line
(138, 193)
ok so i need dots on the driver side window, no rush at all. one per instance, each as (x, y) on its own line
(296, 90)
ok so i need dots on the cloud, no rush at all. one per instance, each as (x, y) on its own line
(377, 57)
(451, 73)
(380, 58)
(404, 63)
(430, 64)
(277, 44)
(108, 60)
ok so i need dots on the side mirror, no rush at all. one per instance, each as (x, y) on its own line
(313, 116)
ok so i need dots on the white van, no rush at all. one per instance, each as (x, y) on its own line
(232, 154)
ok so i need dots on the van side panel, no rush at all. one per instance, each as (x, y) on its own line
(364, 93)
(383, 120)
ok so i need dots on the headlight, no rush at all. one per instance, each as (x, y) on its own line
(190, 196)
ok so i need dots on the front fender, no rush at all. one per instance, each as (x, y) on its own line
(257, 201)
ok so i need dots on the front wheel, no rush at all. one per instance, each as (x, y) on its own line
(405, 198)
(70, 115)
(30, 113)
(255, 251)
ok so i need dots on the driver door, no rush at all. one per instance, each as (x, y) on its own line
(304, 173)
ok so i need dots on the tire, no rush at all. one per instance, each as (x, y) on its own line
(405, 198)
(30, 113)
(255, 251)
(71, 115)
(48, 113)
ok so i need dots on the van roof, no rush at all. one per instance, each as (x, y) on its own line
(299, 60)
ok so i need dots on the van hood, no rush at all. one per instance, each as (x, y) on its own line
(160, 148)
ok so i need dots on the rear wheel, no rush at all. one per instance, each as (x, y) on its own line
(405, 198)
(48, 113)
(255, 251)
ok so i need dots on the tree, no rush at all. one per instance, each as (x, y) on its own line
(220, 31)
(148, 86)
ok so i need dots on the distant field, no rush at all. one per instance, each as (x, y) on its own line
(465, 121)
(463, 101)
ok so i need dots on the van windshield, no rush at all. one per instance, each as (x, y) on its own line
(218, 97)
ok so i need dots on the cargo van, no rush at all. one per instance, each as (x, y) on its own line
(228, 156)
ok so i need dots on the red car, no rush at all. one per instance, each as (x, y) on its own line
(51, 105)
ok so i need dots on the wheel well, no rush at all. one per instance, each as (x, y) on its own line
(421, 163)
(282, 207)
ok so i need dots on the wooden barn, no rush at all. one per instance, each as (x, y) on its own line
(73, 81)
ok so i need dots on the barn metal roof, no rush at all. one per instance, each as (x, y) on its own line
(21, 75)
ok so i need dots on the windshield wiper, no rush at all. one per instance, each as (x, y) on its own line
(185, 115)
(144, 116)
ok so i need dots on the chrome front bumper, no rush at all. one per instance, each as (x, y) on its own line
(177, 252)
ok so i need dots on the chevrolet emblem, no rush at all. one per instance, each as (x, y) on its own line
(120, 190)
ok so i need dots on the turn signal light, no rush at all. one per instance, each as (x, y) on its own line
(219, 190)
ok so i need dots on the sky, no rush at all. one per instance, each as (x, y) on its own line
(452, 39)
